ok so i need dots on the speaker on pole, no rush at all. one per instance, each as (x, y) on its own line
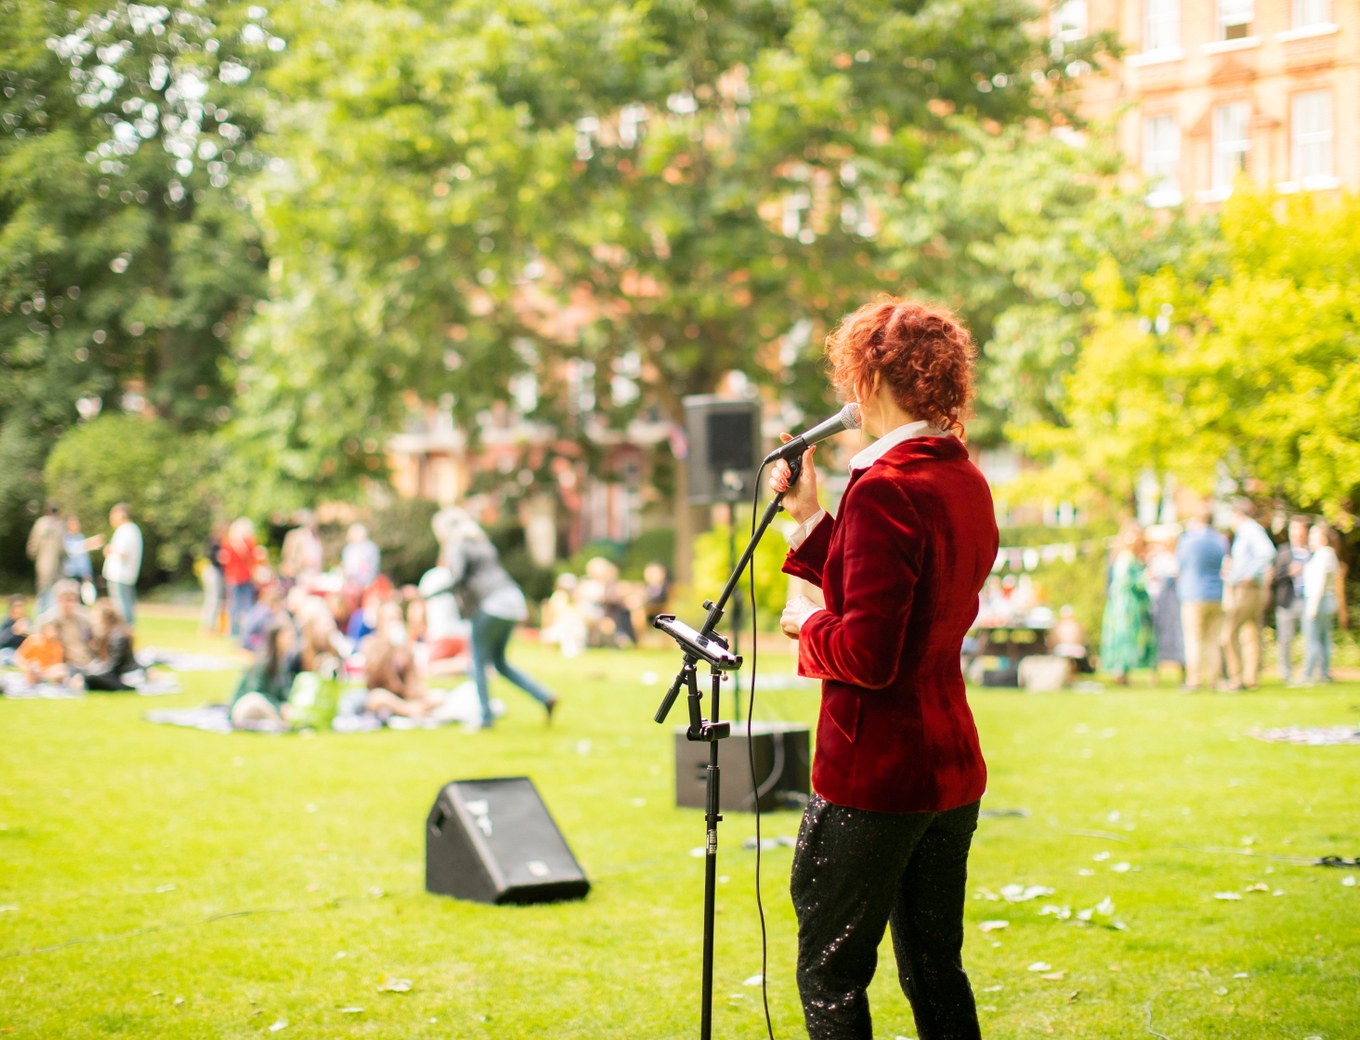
(724, 448)
(493, 841)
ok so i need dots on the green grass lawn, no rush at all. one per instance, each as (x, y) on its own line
(170, 883)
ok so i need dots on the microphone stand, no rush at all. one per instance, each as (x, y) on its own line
(706, 645)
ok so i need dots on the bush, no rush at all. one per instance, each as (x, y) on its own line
(166, 477)
(712, 567)
(402, 531)
(537, 582)
(21, 493)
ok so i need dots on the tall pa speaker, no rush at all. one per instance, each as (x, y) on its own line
(724, 448)
(493, 841)
(783, 768)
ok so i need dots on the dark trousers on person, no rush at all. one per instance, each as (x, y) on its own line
(854, 873)
(490, 635)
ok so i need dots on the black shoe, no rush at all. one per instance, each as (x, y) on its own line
(550, 707)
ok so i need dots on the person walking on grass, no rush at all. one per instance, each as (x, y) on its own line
(1245, 573)
(1288, 579)
(46, 547)
(494, 601)
(123, 562)
(1128, 639)
(1319, 604)
(1199, 586)
(239, 557)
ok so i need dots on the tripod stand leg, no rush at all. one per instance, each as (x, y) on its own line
(711, 817)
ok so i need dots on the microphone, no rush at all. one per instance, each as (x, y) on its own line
(846, 419)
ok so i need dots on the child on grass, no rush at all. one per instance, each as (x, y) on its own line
(42, 659)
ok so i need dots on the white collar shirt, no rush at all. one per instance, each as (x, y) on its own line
(863, 459)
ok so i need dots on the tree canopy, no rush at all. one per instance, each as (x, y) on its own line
(1241, 364)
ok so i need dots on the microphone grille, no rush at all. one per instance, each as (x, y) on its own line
(850, 416)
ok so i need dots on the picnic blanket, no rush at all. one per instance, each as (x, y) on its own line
(212, 718)
(17, 688)
(182, 662)
(1310, 736)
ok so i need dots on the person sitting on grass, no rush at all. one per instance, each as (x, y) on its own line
(73, 626)
(262, 694)
(15, 627)
(394, 684)
(42, 659)
(111, 643)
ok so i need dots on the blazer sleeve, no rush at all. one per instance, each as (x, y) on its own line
(809, 559)
(884, 545)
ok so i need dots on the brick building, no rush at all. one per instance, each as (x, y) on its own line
(1210, 88)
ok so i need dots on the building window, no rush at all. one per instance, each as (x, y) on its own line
(1161, 159)
(1232, 141)
(1311, 12)
(1311, 118)
(1070, 20)
(1162, 31)
(1235, 18)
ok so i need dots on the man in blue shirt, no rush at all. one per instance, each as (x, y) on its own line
(1247, 573)
(1199, 586)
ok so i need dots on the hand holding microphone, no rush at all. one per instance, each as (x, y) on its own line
(801, 501)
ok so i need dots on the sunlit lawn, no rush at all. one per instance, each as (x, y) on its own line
(170, 883)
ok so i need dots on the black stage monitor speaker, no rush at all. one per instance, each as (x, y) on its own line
(724, 440)
(782, 766)
(494, 841)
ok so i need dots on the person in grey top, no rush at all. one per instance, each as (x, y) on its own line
(491, 598)
(1288, 574)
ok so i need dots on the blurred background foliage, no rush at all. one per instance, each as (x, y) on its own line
(271, 228)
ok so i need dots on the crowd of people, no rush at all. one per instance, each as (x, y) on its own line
(77, 639)
(1190, 596)
(353, 623)
(598, 609)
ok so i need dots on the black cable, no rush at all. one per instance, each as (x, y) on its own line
(751, 755)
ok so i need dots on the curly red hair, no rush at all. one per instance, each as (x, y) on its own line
(923, 353)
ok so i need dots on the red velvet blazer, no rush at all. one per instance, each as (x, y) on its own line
(901, 567)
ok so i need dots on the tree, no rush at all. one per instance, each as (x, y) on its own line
(167, 478)
(1251, 374)
(655, 193)
(120, 261)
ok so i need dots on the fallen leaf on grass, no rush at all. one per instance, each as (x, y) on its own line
(1241, 975)
(992, 926)
(1040, 966)
(992, 989)
(754, 980)
(1348, 880)
(1260, 886)
(1053, 976)
(1227, 895)
(1021, 894)
(350, 1010)
(8, 909)
(1120, 868)
(280, 1024)
(394, 985)
(1062, 913)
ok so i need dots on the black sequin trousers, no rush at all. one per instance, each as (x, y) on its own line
(854, 873)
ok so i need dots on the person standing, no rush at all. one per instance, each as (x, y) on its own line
(1127, 637)
(1161, 586)
(1319, 604)
(360, 559)
(1288, 580)
(239, 557)
(300, 557)
(77, 566)
(1245, 573)
(1199, 586)
(123, 563)
(898, 771)
(496, 604)
(46, 545)
(214, 589)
